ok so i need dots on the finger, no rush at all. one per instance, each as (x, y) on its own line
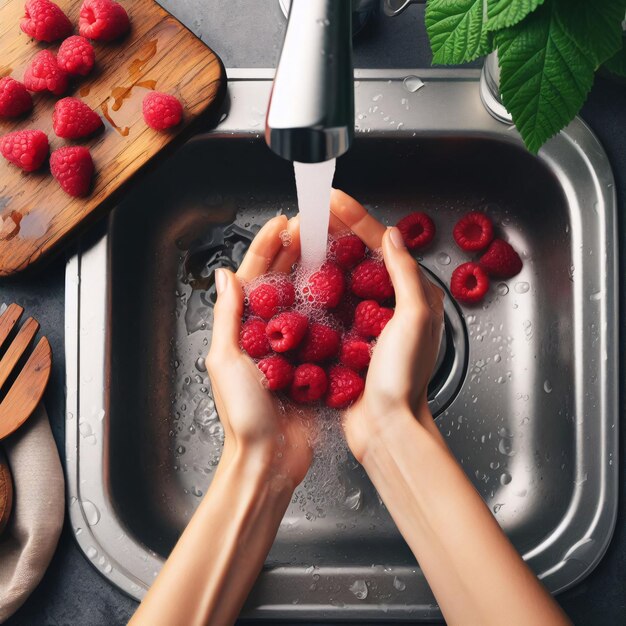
(288, 255)
(336, 227)
(404, 272)
(433, 294)
(263, 249)
(227, 314)
(357, 219)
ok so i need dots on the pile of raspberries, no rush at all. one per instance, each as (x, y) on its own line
(72, 119)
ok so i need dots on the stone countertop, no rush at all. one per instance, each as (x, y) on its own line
(248, 33)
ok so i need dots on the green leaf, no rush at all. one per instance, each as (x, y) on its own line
(595, 24)
(617, 63)
(545, 75)
(456, 29)
(505, 13)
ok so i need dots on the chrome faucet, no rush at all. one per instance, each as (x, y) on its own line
(310, 117)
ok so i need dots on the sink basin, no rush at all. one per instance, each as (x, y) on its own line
(525, 394)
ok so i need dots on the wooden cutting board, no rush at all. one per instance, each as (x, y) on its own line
(159, 53)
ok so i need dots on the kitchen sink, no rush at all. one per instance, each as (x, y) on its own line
(525, 393)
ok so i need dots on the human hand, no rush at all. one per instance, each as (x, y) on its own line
(404, 356)
(254, 420)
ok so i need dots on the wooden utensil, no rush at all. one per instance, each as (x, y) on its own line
(159, 53)
(29, 383)
(6, 492)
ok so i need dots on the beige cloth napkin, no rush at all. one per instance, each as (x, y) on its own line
(31, 536)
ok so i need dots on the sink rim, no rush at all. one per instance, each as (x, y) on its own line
(581, 147)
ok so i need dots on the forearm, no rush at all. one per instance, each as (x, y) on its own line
(218, 557)
(472, 568)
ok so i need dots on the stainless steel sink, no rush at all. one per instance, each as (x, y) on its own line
(526, 394)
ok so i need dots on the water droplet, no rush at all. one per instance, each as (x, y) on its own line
(412, 83)
(398, 584)
(506, 447)
(180, 449)
(497, 358)
(359, 589)
(92, 553)
(521, 287)
(443, 259)
(502, 289)
(547, 386)
(91, 511)
(505, 478)
(494, 465)
(497, 507)
(353, 499)
(595, 296)
(377, 97)
(85, 429)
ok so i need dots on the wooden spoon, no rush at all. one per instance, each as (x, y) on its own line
(21, 399)
(6, 492)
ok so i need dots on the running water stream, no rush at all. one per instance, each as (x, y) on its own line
(313, 184)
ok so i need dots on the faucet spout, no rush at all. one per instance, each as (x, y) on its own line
(310, 117)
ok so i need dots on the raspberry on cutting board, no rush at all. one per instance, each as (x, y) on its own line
(344, 387)
(103, 20)
(370, 281)
(43, 74)
(27, 149)
(309, 383)
(277, 370)
(45, 21)
(73, 168)
(469, 283)
(161, 110)
(73, 119)
(14, 98)
(76, 56)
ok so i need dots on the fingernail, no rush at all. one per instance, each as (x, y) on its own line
(396, 238)
(220, 281)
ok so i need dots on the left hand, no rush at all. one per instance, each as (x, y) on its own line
(255, 421)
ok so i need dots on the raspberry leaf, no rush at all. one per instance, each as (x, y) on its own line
(546, 74)
(596, 26)
(617, 63)
(457, 31)
(505, 13)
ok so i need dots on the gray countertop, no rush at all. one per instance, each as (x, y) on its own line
(248, 33)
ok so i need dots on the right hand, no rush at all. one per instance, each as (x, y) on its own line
(405, 353)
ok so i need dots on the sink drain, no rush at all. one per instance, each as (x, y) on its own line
(451, 362)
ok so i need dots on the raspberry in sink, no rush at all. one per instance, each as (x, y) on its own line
(418, 230)
(500, 260)
(309, 384)
(344, 387)
(473, 232)
(278, 371)
(370, 280)
(469, 283)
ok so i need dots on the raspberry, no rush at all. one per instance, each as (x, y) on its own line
(14, 98)
(370, 318)
(417, 229)
(76, 56)
(268, 299)
(347, 251)
(326, 286)
(320, 343)
(73, 119)
(102, 20)
(473, 232)
(501, 260)
(344, 311)
(72, 166)
(161, 110)
(253, 338)
(344, 387)
(309, 383)
(277, 370)
(43, 74)
(370, 280)
(286, 330)
(355, 353)
(469, 283)
(45, 21)
(27, 149)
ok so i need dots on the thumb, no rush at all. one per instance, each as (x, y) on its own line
(227, 311)
(403, 271)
